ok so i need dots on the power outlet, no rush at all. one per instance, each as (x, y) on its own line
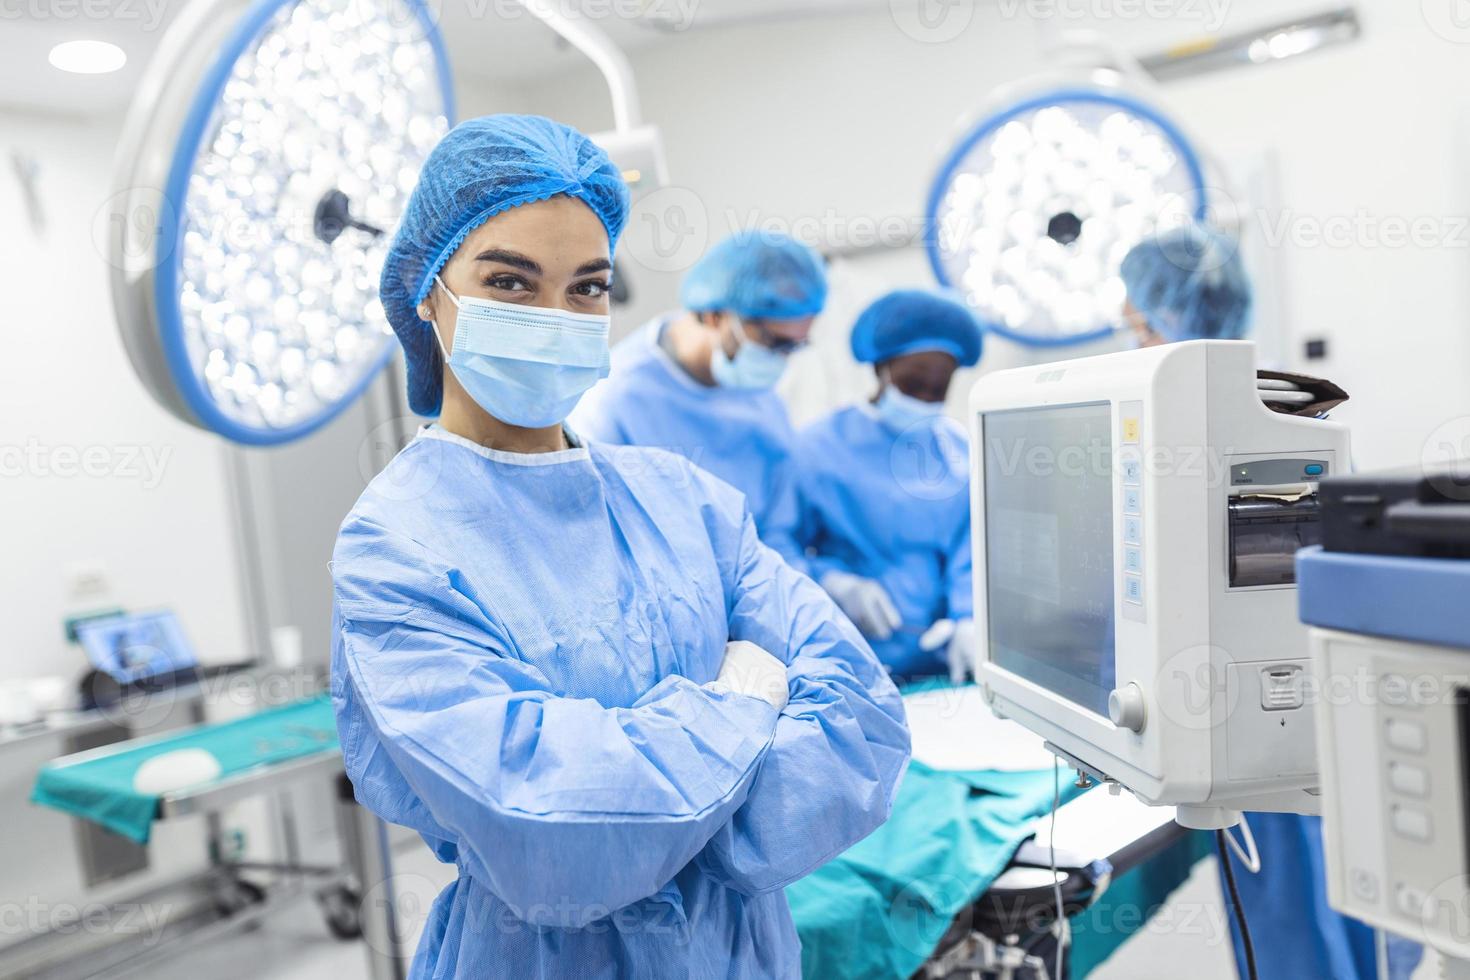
(87, 580)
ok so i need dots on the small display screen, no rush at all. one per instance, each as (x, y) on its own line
(131, 649)
(1049, 548)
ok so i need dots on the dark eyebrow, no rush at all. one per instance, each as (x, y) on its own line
(515, 259)
(596, 265)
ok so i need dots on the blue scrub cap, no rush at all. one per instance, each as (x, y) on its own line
(1190, 283)
(909, 320)
(758, 274)
(483, 167)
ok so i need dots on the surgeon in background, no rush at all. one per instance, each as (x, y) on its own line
(883, 516)
(574, 669)
(700, 381)
(1189, 283)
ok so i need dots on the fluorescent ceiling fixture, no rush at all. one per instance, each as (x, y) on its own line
(87, 57)
(1277, 42)
(1035, 208)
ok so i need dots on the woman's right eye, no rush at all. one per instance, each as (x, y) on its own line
(506, 283)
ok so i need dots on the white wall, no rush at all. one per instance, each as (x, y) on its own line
(838, 122)
(95, 478)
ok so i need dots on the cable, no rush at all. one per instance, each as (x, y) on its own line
(1245, 932)
(1250, 857)
(1056, 883)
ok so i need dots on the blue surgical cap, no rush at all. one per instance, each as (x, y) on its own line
(483, 167)
(1190, 284)
(758, 274)
(906, 321)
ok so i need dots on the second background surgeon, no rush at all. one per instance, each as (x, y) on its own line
(882, 519)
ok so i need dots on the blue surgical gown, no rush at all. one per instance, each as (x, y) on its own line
(743, 437)
(519, 657)
(890, 507)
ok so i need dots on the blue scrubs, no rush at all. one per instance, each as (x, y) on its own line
(519, 671)
(743, 437)
(890, 507)
(1296, 933)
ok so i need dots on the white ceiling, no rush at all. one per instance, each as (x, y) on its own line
(488, 40)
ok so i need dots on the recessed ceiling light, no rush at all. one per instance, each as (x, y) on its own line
(87, 57)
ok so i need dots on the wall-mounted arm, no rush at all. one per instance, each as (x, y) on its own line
(592, 41)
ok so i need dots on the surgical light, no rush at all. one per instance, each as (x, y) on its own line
(87, 57)
(1035, 207)
(270, 149)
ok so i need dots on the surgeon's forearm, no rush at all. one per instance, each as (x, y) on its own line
(827, 781)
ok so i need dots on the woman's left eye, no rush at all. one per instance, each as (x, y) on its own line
(593, 289)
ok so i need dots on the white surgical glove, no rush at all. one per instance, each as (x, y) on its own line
(865, 602)
(961, 651)
(937, 635)
(747, 669)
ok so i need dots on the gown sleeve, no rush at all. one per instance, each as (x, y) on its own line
(841, 744)
(570, 809)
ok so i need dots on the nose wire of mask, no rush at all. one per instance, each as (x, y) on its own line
(525, 365)
(753, 366)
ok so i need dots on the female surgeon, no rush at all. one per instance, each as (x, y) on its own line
(574, 669)
(1189, 283)
(883, 513)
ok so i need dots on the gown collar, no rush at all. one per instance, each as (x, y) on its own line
(577, 452)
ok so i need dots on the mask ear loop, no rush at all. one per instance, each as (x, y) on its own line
(434, 324)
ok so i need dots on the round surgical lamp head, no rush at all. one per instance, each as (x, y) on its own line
(1034, 209)
(266, 159)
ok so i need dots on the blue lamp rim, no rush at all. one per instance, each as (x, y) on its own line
(168, 271)
(985, 127)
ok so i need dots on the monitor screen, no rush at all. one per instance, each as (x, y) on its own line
(132, 649)
(1049, 548)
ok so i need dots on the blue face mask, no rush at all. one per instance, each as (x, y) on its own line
(899, 412)
(753, 365)
(525, 365)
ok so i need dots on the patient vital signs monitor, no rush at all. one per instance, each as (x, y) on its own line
(1136, 521)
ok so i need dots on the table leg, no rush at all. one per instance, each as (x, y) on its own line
(365, 845)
